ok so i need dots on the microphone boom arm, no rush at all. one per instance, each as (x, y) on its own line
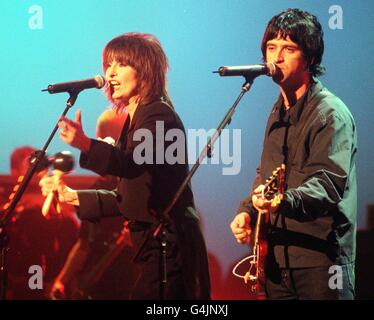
(164, 217)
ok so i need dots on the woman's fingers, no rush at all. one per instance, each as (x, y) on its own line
(47, 185)
(78, 117)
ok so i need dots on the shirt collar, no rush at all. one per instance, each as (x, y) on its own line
(296, 110)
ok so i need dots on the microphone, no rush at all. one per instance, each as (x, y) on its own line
(248, 71)
(76, 86)
(63, 163)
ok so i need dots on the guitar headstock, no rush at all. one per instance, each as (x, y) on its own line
(275, 184)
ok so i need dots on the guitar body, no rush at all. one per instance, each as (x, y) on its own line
(255, 276)
(83, 283)
(262, 257)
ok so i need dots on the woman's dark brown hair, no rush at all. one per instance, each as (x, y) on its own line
(144, 53)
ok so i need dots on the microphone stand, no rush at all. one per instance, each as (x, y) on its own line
(6, 215)
(164, 217)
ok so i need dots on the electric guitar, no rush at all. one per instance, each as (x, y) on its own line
(82, 282)
(255, 276)
(93, 276)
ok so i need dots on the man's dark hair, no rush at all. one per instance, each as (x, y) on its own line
(304, 29)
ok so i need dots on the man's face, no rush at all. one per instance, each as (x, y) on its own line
(290, 60)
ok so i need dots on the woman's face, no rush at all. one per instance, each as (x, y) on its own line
(123, 82)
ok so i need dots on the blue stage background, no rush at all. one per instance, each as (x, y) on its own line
(198, 37)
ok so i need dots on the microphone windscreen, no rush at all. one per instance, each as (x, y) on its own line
(272, 69)
(100, 81)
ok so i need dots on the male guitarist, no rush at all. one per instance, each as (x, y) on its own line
(313, 228)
